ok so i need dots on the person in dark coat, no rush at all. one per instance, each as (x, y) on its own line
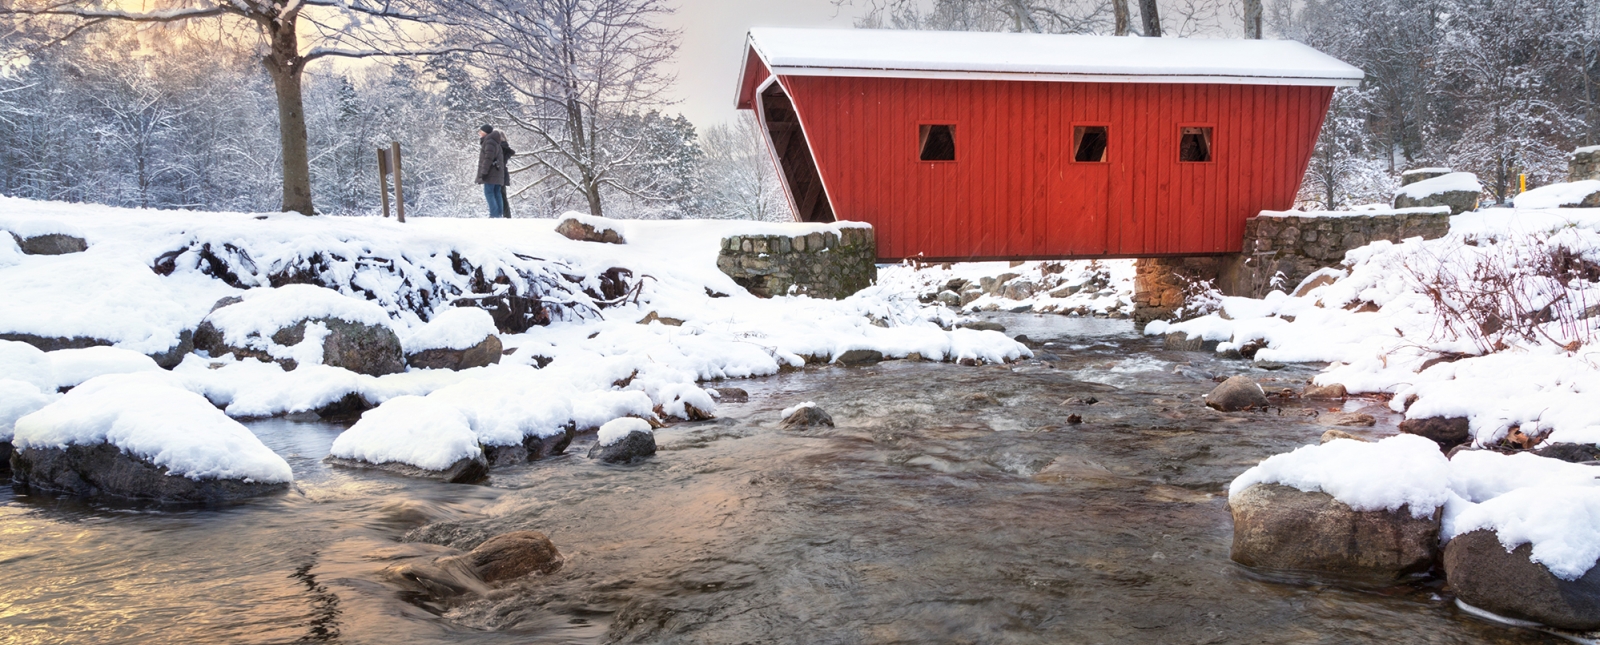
(493, 172)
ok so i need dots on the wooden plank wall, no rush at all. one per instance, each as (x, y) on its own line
(1014, 191)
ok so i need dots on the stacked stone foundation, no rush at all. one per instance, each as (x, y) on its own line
(824, 264)
(1281, 250)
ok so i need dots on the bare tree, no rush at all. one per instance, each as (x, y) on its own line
(578, 69)
(1119, 11)
(338, 28)
(738, 177)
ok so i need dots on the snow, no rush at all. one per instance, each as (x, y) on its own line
(263, 312)
(1482, 475)
(1431, 171)
(796, 408)
(10, 253)
(1557, 195)
(1372, 211)
(934, 54)
(602, 365)
(151, 416)
(1559, 521)
(1585, 150)
(1400, 471)
(411, 430)
(1097, 287)
(19, 399)
(26, 363)
(73, 366)
(26, 227)
(618, 429)
(1456, 181)
(457, 328)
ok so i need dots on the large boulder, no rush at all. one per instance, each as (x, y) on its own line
(142, 437)
(272, 324)
(624, 441)
(166, 359)
(1485, 574)
(413, 436)
(456, 339)
(106, 471)
(1237, 393)
(513, 555)
(1279, 527)
(51, 244)
(1458, 190)
(1448, 432)
(588, 228)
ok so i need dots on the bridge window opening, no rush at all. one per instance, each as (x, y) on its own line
(1195, 144)
(1089, 143)
(936, 143)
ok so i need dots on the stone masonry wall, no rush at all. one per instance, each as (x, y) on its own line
(1290, 243)
(818, 264)
(1584, 163)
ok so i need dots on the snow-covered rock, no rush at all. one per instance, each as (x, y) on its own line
(24, 362)
(588, 228)
(1530, 554)
(456, 339)
(141, 436)
(301, 324)
(1458, 190)
(74, 366)
(804, 415)
(415, 436)
(1577, 194)
(624, 440)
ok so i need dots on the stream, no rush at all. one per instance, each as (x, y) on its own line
(950, 504)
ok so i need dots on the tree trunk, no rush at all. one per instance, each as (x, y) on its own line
(285, 65)
(1151, 17)
(1120, 9)
(592, 191)
(1252, 19)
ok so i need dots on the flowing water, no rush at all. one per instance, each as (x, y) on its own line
(950, 505)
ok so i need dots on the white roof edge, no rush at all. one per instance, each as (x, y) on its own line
(1218, 79)
(1045, 57)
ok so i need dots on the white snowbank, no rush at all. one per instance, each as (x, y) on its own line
(458, 328)
(1431, 171)
(1557, 195)
(618, 429)
(796, 408)
(1403, 470)
(1561, 522)
(19, 399)
(410, 430)
(1482, 475)
(10, 253)
(24, 362)
(150, 416)
(74, 366)
(1456, 181)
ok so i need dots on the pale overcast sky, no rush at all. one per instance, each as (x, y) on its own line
(713, 40)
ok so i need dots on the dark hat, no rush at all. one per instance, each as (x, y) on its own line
(486, 128)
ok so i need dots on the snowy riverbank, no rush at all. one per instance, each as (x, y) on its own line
(148, 279)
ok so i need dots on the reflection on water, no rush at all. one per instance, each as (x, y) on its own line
(951, 504)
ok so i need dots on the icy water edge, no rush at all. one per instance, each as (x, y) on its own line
(950, 505)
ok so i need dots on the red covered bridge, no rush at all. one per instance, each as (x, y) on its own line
(965, 146)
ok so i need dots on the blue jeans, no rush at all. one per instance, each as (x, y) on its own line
(496, 196)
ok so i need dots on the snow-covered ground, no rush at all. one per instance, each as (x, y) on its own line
(1101, 288)
(147, 277)
(1519, 358)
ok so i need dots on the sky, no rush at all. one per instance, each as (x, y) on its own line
(713, 40)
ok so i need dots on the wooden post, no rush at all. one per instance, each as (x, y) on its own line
(383, 179)
(399, 195)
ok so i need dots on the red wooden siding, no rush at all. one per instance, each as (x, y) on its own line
(1014, 190)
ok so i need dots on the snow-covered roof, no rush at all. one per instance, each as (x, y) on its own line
(986, 55)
